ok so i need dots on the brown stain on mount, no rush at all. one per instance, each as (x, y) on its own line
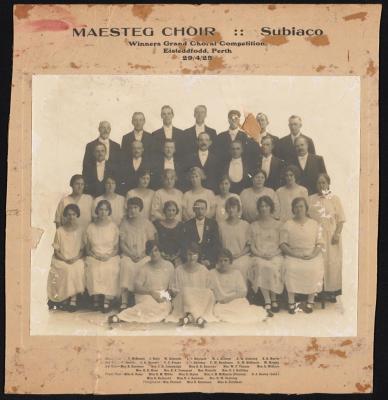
(322, 40)
(272, 7)
(320, 68)
(216, 63)
(363, 388)
(338, 353)
(208, 39)
(142, 11)
(346, 342)
(275, 40)
(74, 65)
(360, 15)
(313, 345)
(311, 358)
(22, 11)
(371, 70)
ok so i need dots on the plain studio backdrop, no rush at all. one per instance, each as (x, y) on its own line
(67, 109)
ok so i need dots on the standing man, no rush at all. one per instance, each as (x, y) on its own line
(204, 232)
(191, 135)
(133, 166)
(138, 121)
(206, 160)
(113, 152)
(286, 146)
(95, 172)
(168, 131)
(272, 165)
(310, 165)
(263, 122)
(251, 148)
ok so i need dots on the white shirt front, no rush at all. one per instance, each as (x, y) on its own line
(106, 142)
(266, 164)
(199, 129)
(200, 228)
(100, 170)
(138, 135)
(233, 133)
(302, 161)
(169, 164)
(236, 170)
(203, 155)
(168, 131)
(136, 163)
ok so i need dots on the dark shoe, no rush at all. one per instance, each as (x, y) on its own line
(200, 322)
(267, 307)
(332, 299)
(123, 306)
(107, 307)
(308, 309)
(71, 308)
(183, 321)
(275, 307)
(291, 308)
(113, 319)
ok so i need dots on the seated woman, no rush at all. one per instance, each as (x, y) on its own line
(290, 191)
(250, 196)
(326, 208)
(234, 236)
(197, 191)
(301, 242)
(66, 277)
(266, 273)
(151, 290)
(77, 196)
(193, 299)
(144, 192)
(220, 199)
(135, 231)
(168, 192)
(230, 292)
(169, 232)
(116, 201)
(102, 261)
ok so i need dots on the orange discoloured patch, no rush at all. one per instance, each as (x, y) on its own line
(22, 11)
(311, 358)
(251, 127)
(53, 25)
(275, 40)
(216, 63)
(368, 366)
(186, 71)
(140, 66)
(202, 341)
(204, 38)
(142, 11)
(323, 366)
(346, 342)
(272, 7)
(338, 353)
(319, 40)
(313, 346)
(363, 388)
(320, 68)
(74, 65)
(174, 56)
(14, 389)
(77, 349)
(371, 70)
(226, 11)
(360, 15)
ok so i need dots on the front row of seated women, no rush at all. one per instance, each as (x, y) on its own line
(151, 268)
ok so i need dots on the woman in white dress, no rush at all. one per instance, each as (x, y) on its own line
(234, 236)
(230, 293)
(144, 192)
(220, 199)
(77, 196)
(326, 209)
(151, 290)
(193, 300)
(166, 193)
(66, 277)
(116, 201)
(197, 191)
(301, 242)
(267, 263)
(250, 196)
(135, 231)
(102, 261)
(290, 191)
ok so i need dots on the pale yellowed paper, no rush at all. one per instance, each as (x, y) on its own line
(332, 360)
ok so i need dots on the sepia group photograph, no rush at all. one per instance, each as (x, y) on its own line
(195, 205)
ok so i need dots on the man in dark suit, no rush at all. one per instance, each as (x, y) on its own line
(113, 152)
(222, 145)
(285, 149)
(310, 165)
(95, 172)
(167, 160)
(138, 121)
(206, 160)
(272, 165)
(204, 232)
(168, 131)
(237, 168)
(263, 122)
(191, 135)
(131, 168)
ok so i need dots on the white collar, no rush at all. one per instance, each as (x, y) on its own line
(303, 157)
(100, 162)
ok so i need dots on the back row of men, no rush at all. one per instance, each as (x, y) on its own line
(231, 152)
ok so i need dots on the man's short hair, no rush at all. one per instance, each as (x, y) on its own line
(295, 117)
(167, 106)
(200, 201)
(234, 112)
